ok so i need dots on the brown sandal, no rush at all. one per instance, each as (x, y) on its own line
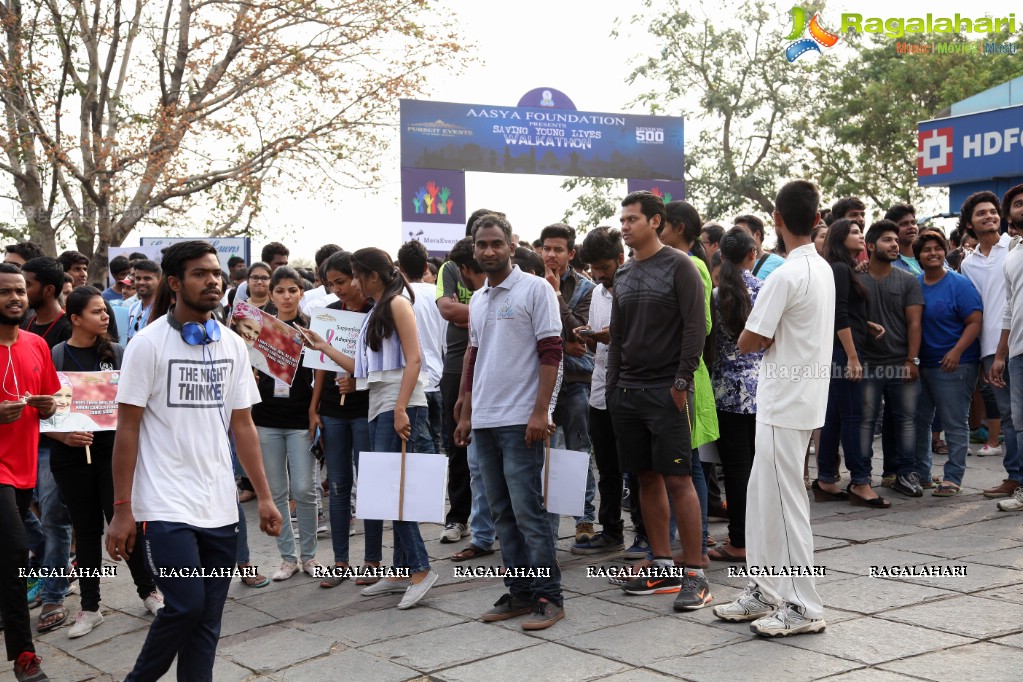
(471, 552)
(366, 580)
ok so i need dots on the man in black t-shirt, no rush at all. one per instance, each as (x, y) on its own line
(658, 327)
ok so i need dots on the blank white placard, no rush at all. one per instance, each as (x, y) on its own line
(379, 486)
(566, 487)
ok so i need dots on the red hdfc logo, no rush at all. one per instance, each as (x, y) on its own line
(934, 152)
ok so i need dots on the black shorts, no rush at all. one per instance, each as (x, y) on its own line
(652, 434)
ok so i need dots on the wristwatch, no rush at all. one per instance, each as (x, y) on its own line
(681, 385)
(915, 361)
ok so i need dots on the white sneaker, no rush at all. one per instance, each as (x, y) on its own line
(385, 586)
(787, 620)
(453, 532)
(1014, 503)
(85, 621)
(989, 451)
(750, 605)
(153, 603)
(415, 592)
(286, 570)
(313, 568)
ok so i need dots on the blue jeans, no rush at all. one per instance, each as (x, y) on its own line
(1013, 461)
(343, 440)
(1014, 380)
(700, 483)
(842, 423)
(188, 626)
(574, 417)
(56, 524)
(290, 467)
(900, 406)
(409, 549)
(949, 393)
(511, 472)
(431, 438)
(481, 521)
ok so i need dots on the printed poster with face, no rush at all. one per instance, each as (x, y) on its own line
(340, 328)
(86, 401)
(275, 349)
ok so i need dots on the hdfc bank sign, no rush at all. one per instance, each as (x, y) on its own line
(971, 147)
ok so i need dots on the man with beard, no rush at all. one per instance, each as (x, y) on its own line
(904, 216)
(26, 396)
(185, 382)
(602, 250)
(511, 368)
(890, 363)
(573, 292)
(981, 218)
(147, 279)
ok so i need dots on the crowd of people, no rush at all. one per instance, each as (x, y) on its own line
(666, 349)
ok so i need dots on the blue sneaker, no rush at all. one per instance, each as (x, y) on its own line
(638, 550)
(35, 592)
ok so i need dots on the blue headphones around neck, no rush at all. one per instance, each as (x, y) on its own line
(194, 333)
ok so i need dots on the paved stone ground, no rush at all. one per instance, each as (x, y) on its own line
(879, 629)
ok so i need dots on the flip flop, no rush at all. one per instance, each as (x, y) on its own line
(58, 612)
(946, 489)
(471, 552)
(719, 554)
(939, 447)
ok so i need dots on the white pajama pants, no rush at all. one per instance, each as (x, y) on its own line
(778, 530)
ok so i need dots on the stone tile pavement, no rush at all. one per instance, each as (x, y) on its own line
(879, 629)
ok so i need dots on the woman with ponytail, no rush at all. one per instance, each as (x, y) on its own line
(87, 489)
(388, 359)
(734, 376)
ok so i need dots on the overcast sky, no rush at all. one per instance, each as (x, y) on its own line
(565, 44)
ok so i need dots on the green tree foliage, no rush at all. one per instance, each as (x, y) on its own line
(865, 141)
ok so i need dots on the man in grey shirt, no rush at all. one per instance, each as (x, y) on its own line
(890, 364)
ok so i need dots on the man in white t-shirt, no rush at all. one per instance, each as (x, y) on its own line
(185, 381)
(412, 259)
(793, 319)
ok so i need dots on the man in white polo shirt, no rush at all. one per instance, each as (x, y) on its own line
(511, 369)
(793, 319)
(185, 381)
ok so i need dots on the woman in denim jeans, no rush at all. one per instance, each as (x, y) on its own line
(282, 420)
(342, 413)
(387, 356)
(949, 359)
(842, 245)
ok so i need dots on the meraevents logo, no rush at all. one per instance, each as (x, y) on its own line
(891, 27)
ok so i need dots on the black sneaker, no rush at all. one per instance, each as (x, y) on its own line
(601, 542)
(694, 593)
(507, 607)
(652, 583)
(908, 484)
(545, 614)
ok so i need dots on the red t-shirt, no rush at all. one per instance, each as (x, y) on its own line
(28, 369)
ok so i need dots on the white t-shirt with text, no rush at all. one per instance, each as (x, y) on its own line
(184, 472)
